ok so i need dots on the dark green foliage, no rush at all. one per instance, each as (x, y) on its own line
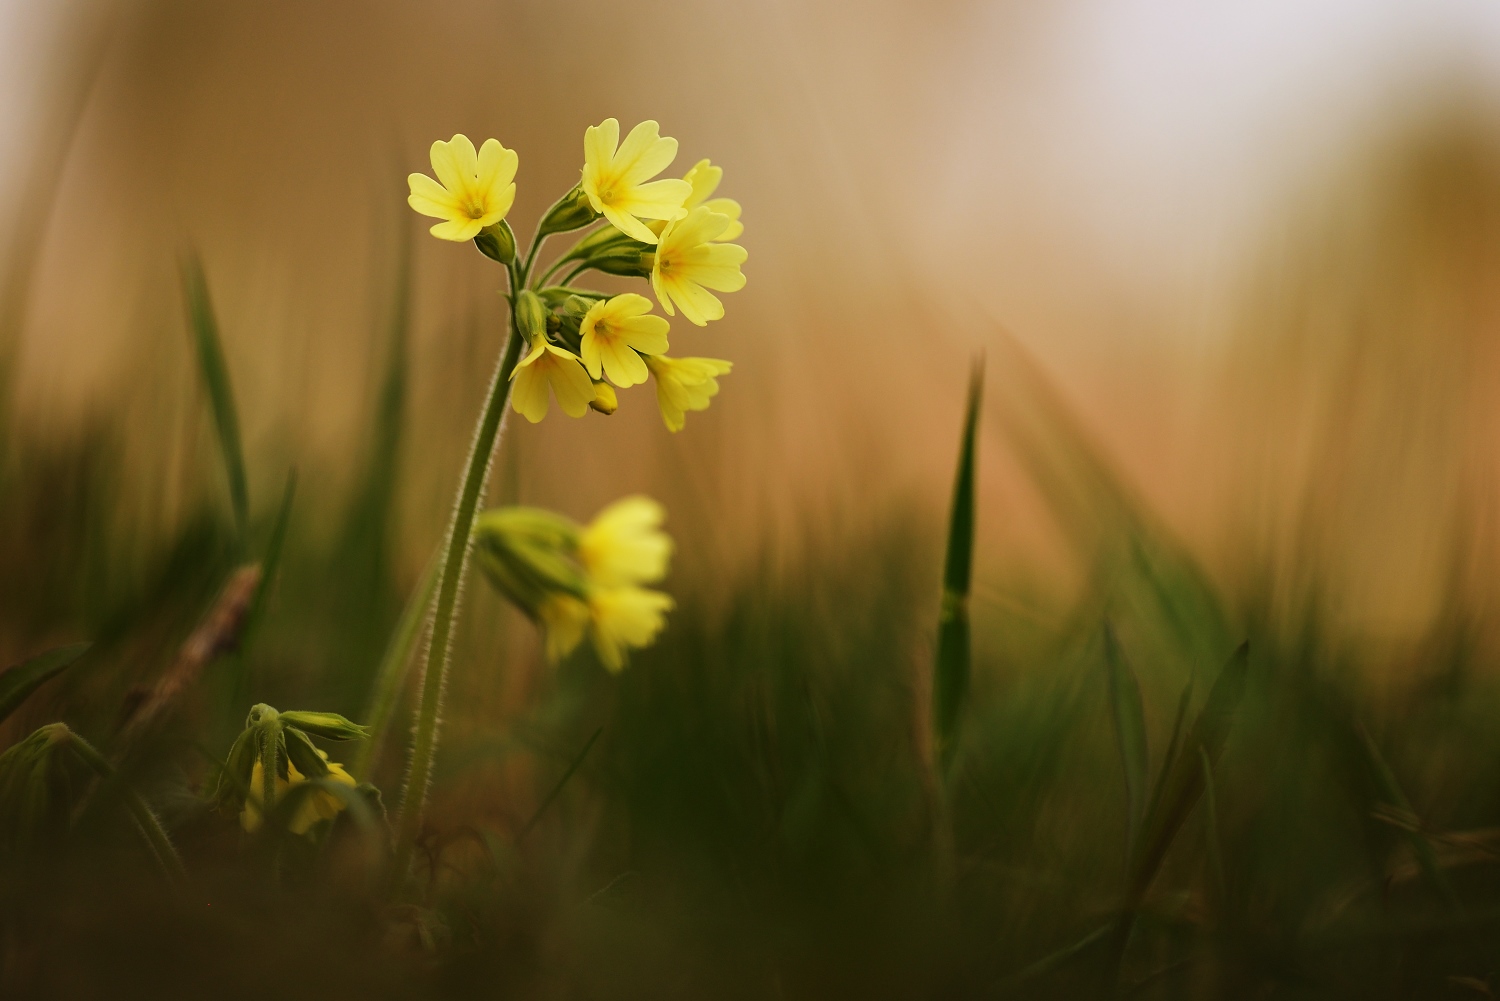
(26, 677)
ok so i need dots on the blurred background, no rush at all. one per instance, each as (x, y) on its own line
(1232, 268)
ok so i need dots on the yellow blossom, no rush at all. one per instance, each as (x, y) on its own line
(614, 330)
(617, 181)
(316, 806)
(684, 384)
(476, 189)
(563, 618)
(704, 179)
(550, 366)
(624, 617)
(689, 262)
(624, 544)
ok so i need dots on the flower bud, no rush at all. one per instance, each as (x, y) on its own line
(531, 316)
(497, 242)
(631, 260)
(605, 401)
(572, 211)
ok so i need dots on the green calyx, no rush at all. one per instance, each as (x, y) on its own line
(572, 211)
(497, 242)
(527, 554)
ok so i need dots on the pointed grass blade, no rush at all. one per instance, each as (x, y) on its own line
(1180, 788)
(1421, 846)
(26, 677)
(1129, 714)
(950, 678)
(215, 371)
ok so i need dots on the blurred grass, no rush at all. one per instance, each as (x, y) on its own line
(747, 811)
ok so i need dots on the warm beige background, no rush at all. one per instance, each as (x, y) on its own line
(1171, 208)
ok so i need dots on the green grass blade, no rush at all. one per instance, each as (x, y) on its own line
(558, 788)
(950, 679)
(1129, 713)
(29, 675)
(1421, 846)
(1181, 787)
(215, 371)
(386, 689)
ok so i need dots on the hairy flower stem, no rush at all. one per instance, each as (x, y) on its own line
(454, 562)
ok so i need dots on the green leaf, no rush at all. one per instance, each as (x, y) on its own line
(950, 678)
(215, 371)
(1129, 713)
(26, 677)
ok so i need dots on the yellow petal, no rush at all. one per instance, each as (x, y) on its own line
(627, 224)
(644, 154)
(655, 199)
(430, 198)
(497, 165)
(455, 163)
(571, 384)
(459, 230)
(599, 142)
(528, 397)
(704, 179)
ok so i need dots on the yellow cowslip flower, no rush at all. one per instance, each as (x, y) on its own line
(477, 189)
(549, 365)
(625, 617)
(689, 262)
(624, 544)
(617, 181)
(316, 806)
(704, 179)
(684, 384)
(614, 330)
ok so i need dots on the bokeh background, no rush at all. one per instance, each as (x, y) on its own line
(1242, 255)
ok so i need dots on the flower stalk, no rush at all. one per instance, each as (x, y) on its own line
(455, 560)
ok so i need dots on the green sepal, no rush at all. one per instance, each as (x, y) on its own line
(303, 755)
(330, 726)
(497, 242)
(234, 777)
(572, 211)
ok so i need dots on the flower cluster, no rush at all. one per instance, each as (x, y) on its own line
(574, 579)
(283, 740)
(581, 344)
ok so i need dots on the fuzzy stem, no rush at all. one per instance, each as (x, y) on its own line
(145, 819)
(455, 561)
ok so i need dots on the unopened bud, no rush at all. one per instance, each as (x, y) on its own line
(531, 315)
(497, 242)
(631, 260)
(605, 401)
(572, 211)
